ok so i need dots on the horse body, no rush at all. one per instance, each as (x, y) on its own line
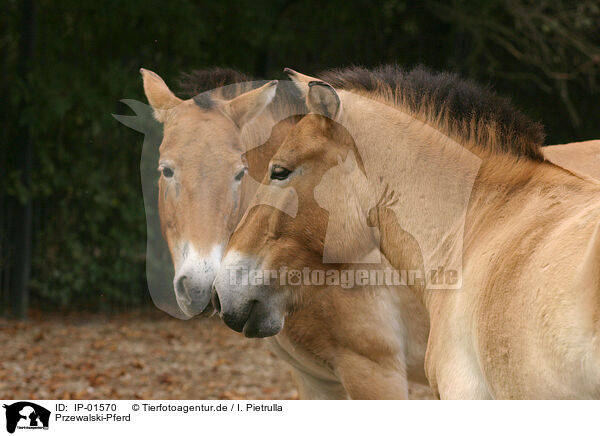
(523, 321)
(522, 326)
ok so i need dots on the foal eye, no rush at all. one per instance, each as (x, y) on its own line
(238, 177)
(280, 173)
(167, 172)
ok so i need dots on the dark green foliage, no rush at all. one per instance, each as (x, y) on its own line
(89, 234)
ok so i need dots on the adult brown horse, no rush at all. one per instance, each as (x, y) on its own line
(203, 163)
(522, 320)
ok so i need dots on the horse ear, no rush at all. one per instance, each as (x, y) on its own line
(160, 97)
(323, 100)
(299, 77)
(247, 106)
(300, 80)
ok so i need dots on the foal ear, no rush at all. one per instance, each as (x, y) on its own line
(300, 80)
(247, 106)
(158, 94)
(323, 100)
(298, 77)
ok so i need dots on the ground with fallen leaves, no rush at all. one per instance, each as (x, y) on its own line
(139, 356)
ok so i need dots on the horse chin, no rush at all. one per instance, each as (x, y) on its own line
(263, 323)
(201, 309)
(208, 312)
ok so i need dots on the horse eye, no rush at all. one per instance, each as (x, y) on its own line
(238, 177)
(167, 172)
(280, 173)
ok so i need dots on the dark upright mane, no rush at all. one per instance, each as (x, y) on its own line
(471, 113)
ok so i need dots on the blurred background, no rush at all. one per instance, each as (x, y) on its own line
(72, 225)
(71, 212)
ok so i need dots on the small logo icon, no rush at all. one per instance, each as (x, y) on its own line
(26, 415)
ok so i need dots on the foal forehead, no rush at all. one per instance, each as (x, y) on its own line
(310, 137)
(310, 126)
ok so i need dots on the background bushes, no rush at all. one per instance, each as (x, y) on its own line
(70, 172)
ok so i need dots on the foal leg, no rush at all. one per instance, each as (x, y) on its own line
(366, 379)
(314, 388)
(310, 386)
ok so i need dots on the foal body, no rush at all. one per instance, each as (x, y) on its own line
(359, 343)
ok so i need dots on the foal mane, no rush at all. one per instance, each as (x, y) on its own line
(471, 114)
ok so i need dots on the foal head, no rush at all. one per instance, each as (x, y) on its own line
(269, 242)
(201, 169)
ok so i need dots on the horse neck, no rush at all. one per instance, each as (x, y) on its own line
(439, 210)
(431, 174)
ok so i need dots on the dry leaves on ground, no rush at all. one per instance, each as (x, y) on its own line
(139, 356)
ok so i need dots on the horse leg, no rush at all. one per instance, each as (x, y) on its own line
(366, 379)
(314, 388)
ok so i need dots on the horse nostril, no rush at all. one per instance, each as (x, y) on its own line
(215, 300)
(182, 290)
